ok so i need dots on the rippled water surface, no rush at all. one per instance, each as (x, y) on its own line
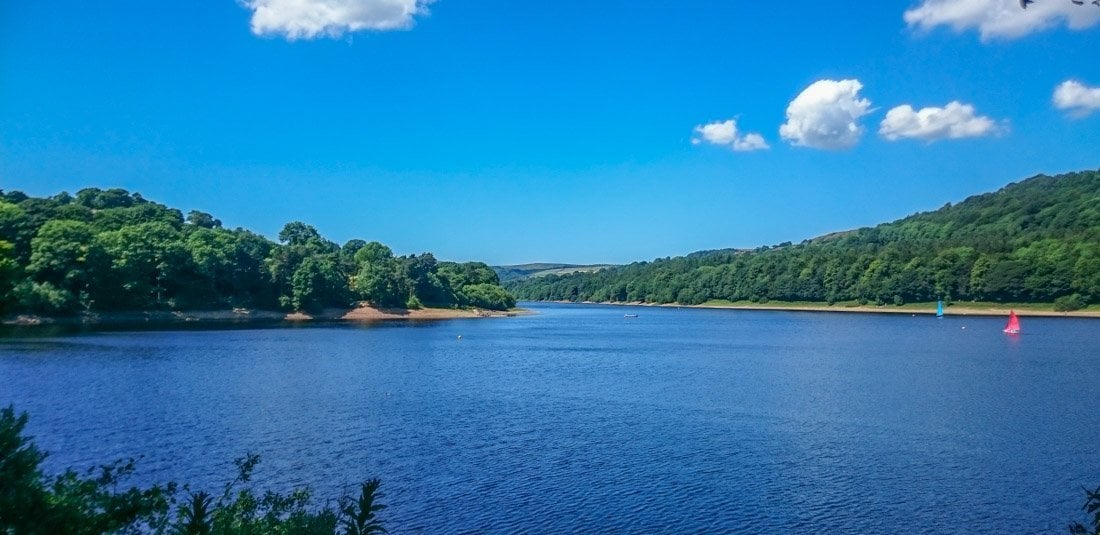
(578, 419)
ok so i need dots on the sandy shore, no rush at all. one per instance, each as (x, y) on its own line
(368, 313)
(241, 315)
(957, 309)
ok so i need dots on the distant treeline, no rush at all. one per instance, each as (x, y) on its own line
(1033, 241)
(112, 250)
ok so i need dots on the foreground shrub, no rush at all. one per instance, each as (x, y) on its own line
(1092, 507)
(32, 502)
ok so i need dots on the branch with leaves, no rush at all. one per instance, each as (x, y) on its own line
(93, 504)
(1092, 507)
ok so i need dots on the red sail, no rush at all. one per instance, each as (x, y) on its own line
(1013, 326)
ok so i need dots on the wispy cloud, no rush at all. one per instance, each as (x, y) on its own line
(310, 19)
(826, 115)
(725, 133)
(1001, 19)
(1076, 98)
(953, 121)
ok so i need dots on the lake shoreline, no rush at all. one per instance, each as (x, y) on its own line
(951, 310)
(242, 316)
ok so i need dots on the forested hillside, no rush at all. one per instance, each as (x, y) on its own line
(112, 250)
(1033, 241)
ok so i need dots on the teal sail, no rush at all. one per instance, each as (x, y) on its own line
(939, 309)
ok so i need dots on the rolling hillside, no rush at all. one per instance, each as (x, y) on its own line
(1036, 241)
(525, 271)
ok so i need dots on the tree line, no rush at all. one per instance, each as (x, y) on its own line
(112, 250)
(1033, 241)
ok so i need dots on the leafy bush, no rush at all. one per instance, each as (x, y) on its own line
(45, 298)
(1069, 303)
(488, 296)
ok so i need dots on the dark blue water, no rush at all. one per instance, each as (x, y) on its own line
(580, 420)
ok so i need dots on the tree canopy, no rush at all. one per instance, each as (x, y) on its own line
(112, 250)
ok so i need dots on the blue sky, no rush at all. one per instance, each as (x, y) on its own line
(566, 131)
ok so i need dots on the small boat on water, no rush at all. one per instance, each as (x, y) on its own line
(1013, 325)
(939, 309)
(630, 315)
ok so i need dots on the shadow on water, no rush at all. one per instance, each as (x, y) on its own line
(55, 330)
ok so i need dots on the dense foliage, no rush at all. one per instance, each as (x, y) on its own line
(110, 250)
(1033, 241)
(32, 502)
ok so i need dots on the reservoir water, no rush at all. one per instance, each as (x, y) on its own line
(578, 419)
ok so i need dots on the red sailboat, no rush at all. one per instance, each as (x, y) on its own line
(1013, 326)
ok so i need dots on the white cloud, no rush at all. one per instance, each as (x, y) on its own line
(752, 141)
(1076, 98)
(725, 133)
(309, 19)
(954, 121)
(826, 115)
(1001, 19)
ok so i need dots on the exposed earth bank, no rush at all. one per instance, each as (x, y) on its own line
(362, 313)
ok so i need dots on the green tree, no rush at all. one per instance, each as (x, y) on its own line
(16, 228)
(317, 283)
(203, 220)
(139, 266)
(382, 283)
(146, 212)
(1086, 271)
(44, 298)
(229, 269)
(297, 233)
(488, 296)
(9, 270)
(300, 242)
(427, 286)
(98, 199)
(250, 282)
(351, 247)
(372, 252)
(213, 260)
(59, 258)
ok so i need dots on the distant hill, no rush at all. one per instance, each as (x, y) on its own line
(541, 269)
(1036, 241)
